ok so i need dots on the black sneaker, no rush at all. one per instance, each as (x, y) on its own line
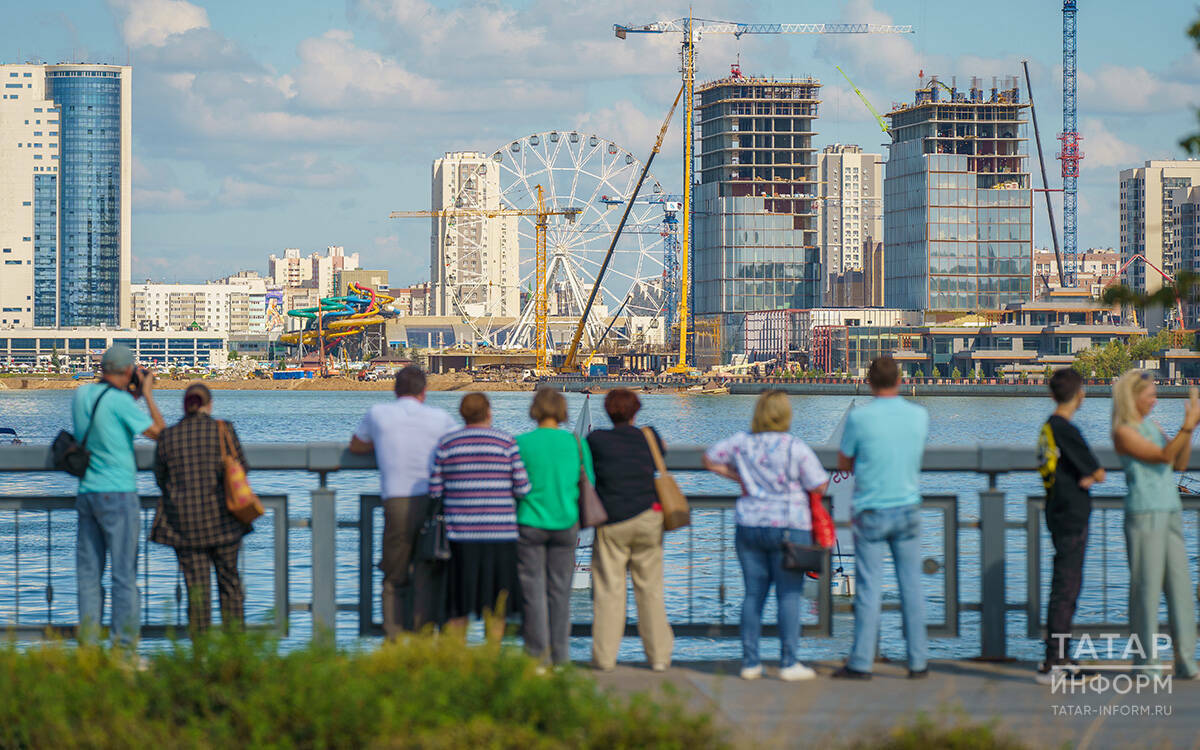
(846, 673)
(918, 675)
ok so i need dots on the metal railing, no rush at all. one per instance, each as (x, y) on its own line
(989, 462)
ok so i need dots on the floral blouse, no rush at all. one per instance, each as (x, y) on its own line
(777, 470)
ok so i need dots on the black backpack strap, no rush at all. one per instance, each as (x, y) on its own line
(92, 418)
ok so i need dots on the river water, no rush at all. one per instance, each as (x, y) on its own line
(46, 554)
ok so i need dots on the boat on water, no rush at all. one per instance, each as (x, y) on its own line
(8, 436)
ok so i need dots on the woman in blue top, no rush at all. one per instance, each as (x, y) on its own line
(776, 472)
(1158, 559)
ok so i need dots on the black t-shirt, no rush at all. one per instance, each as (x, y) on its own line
(1065, 458)
(624, 470)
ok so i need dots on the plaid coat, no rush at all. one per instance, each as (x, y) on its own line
(188, 468)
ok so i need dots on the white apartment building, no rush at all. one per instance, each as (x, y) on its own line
(474, 259)
(223, 308)
(851, 207)
(1147, 215)
(314, 271)
(65, 195)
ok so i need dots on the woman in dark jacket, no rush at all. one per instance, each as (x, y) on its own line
(631, 540)
(192, 516)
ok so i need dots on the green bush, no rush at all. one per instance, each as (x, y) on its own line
(947, 734)
(239, 691)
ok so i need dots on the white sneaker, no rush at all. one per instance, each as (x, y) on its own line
(796, 672)
(752, 673)
(658, 667)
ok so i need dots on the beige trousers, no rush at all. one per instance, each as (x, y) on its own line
(634, 545)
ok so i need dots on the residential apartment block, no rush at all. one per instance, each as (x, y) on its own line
(217, 307)
(314, 271)
(474, 263)
(850, 210)
(65, 194)
(1097, 268)
(1147, 213)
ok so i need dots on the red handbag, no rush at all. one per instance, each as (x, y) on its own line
(823, 532)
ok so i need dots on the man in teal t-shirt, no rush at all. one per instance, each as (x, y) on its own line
(106, 416)
(883, 444)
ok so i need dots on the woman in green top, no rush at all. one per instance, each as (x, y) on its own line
(1153, 518)
(548, 524)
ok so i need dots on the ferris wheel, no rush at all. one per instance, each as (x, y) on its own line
(584, 180)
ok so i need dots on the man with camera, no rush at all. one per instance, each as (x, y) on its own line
(106, 418)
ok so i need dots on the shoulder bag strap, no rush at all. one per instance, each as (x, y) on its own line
(226, 441)
(659, 464)
(92, 418)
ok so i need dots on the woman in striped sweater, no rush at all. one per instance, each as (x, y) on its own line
(478, 473)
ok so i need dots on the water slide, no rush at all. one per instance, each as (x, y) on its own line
(336, 318)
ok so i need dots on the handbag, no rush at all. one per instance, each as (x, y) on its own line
(676, 512)
(591, 510)
(823, 532)
(71, 455)
(433, 545)
(240, 499)
(804, 558)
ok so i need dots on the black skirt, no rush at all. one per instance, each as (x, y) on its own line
(477, 576)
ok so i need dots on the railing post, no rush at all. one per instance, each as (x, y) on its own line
(993, 599)
(324, 558)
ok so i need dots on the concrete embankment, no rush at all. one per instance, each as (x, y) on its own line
(450, 382)
(857, 388)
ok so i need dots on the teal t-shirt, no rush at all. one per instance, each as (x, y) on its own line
(1152, 487)
(886, 439)
(551, 458)
(112, 467)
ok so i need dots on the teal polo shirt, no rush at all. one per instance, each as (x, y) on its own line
(886, 439)
(112, 467)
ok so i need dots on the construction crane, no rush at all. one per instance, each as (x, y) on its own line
(691, 29)
(669, 232)
(572, 352)
(541, 215)
(1178, 324)
(882, 125)
(1070, 154)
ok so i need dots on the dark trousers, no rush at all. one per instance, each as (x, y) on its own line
(410, 589)
(1065, 583)
(545, 566)
(197, 565)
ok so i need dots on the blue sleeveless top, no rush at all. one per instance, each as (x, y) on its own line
(1152, 487)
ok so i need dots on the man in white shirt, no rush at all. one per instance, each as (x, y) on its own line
(403, 435)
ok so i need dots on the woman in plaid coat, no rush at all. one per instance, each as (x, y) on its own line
(192, 516)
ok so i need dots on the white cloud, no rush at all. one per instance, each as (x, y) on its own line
(1104, 149)
(241, 194)
(152, 22)
(1134, 90)
(304, 170)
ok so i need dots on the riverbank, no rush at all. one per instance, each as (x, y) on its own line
(448, 382)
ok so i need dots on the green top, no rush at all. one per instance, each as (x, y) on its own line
(1152, 487)
(551, 457)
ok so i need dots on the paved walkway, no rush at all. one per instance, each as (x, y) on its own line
(830, 713)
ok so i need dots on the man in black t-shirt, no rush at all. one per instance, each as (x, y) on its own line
(1068, 470)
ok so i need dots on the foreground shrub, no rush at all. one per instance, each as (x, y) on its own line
(239, 691)
(946, 734)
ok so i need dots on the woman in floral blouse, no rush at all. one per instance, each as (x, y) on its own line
(776, 472)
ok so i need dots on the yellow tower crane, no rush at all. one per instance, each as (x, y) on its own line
(691, 29)
(541, 215)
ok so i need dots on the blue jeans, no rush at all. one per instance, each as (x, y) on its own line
(760, 551)
(108, 524)
(900, 529)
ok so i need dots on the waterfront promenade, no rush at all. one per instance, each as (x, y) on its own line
(824, 713)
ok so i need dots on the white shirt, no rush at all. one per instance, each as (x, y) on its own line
(405, 433)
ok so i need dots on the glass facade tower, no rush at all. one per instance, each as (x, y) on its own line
(958, 217)
(755, 236)
(93, 273)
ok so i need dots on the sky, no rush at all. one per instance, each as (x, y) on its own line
(264, 125)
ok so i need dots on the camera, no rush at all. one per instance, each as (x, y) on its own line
(136, 379)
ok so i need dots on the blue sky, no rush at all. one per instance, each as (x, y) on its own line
(268, 124)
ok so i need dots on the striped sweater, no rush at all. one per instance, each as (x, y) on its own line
(477, 472)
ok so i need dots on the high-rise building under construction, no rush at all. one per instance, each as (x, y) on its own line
(755, 237)
(958, 220)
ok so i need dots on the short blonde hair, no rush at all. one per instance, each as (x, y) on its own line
(548, 403)
(772, 413)
(1124, 396)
